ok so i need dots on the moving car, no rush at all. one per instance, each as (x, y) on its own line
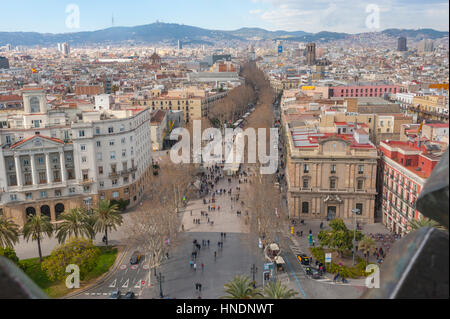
(135, 258)
(129, 295)
(115, 295)
(313, 272)
(304, 260)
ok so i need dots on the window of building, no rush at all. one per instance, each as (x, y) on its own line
(57, 193)
(333, 168)
(359, 206)
(332, 183)
(111, 143)
(101, 184)
(114, 181)
(112, 155)
(360, 169)
(29, 196)
(122, 127)
(123, 140)
(305, 183)
(124, 153)
(40, 160)
(72, 190)
(100, 170)
(86, 189)
(305, 207)
(305, 168)
(97, 130)
(83, 147)
(115, 194)
(84, 159)
(360, 184)
(43, 194)
(110, 129)
(81, 133)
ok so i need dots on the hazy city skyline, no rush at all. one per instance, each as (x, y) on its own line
(289, 15)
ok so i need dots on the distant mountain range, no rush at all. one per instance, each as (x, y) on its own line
(171, 33)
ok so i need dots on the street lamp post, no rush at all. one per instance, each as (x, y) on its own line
(254, 270)
(160, 279)
(355, 212)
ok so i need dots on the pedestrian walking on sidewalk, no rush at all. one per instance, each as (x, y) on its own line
(195, 266)
(191, 263)
(203, 266)
(336, 277)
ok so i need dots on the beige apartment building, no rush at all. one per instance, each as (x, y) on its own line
(194, 103)
(431, 107)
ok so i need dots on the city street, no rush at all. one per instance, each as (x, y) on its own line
(126, 278)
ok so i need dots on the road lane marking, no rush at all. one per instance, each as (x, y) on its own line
(113, 285)
(125, 285)
(295, 276)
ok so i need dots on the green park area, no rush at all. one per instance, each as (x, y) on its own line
(56, 287)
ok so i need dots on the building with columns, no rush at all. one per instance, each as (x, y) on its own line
(329, 173)
(51, 163)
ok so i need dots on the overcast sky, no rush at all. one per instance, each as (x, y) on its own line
(291, 15)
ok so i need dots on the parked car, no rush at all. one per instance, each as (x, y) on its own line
(129, 295)
(115, 295)
(135, 258)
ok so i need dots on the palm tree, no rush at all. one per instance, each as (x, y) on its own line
(74, 223)
(35, 227)
(106, 218)
(416, 224)
(276, 290)
(9, 232)
(367, 244)
(241, 288)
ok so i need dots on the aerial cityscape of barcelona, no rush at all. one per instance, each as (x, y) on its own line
(200, 153)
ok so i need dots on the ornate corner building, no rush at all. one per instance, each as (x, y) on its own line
(53, 160)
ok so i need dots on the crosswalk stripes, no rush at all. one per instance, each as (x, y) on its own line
(295, 250)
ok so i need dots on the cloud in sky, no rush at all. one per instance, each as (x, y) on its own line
(350, 15)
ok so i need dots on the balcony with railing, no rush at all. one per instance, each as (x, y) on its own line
(87, 181)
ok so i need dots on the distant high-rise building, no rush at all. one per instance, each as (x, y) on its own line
(310, 53)
(65, 48)
(426, 45)
(180, 45)
(4, 63)
(59, 47)
(401, 45)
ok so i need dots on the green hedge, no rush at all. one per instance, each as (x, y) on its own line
(359, 270)
(9, 253)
